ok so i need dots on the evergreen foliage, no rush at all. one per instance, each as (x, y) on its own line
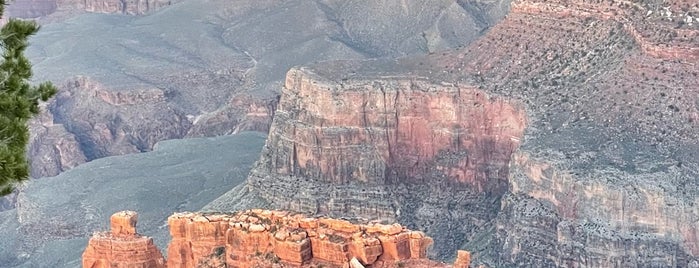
(19, 101)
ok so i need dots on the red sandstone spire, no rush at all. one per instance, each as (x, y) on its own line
(122, 247)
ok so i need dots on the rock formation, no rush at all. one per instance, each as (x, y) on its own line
(463, 259)
(122, 247)
(566, 136)
(260, 238)
(257, 237)
(41, 8)
(376, 142)
(130, 7)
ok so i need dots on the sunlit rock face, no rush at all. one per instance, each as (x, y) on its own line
(122, 246)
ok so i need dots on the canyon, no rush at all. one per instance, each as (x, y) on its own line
(565, 136)
(226, 83)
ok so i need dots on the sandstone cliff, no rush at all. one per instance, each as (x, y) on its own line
(390, 149)
(566, 136)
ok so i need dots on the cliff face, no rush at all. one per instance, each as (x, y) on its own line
(389, 149)
(603, 173)
(112, 123)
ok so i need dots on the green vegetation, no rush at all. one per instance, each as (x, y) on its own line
(19, 101)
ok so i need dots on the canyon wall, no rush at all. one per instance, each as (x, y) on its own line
(400, 148)
(86, 121)
(658, 31)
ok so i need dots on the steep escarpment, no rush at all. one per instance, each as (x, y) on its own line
(391, 149)
(603, 174)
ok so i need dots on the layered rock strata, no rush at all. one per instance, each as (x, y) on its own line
(122, 247)
(367, 148)
(258, 237)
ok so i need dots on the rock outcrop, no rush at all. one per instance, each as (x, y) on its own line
(256, 237)
(122, 247)
(112, 123)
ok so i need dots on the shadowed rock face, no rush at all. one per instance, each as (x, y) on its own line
(606, 171)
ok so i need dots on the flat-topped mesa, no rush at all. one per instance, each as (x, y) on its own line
(385, 147)
(259, 237)
(391, 131)
(123, 246)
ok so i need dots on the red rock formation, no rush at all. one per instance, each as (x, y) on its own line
(122, 247)
(397, 131)
(259, 236)
(463, 259)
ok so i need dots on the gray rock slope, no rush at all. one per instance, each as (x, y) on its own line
(55, 216)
